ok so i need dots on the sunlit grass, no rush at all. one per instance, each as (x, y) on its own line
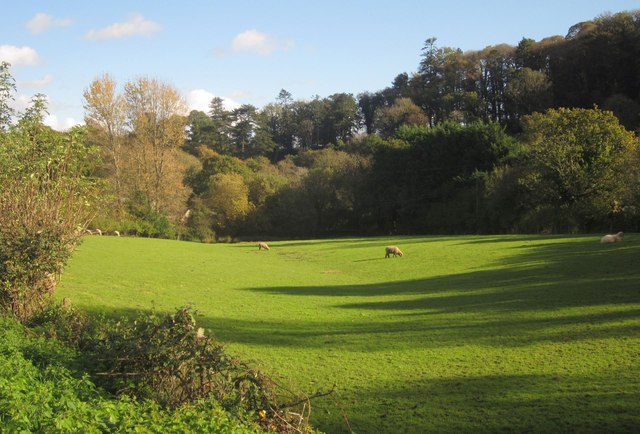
(462, 334)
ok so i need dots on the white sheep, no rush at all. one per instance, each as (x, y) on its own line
(263, 246)
(185, 216)
(98, 232)
(612, 238)
(89, 231)
(393, 250)
(116, 233)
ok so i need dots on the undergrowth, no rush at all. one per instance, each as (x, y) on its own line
(64, 373)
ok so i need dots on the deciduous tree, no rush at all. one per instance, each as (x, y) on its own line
(105, 118)
(577, 162)
(155, 116)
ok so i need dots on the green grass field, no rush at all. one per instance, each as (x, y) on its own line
(462, 334)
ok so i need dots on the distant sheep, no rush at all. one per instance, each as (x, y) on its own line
(89, 231)
(263, 246)
(393, 250)
(612, 238)
(116, 233)
(98, 232)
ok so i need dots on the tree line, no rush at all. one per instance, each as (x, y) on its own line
(536, 137)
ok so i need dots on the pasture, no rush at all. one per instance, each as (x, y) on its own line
(462, 334)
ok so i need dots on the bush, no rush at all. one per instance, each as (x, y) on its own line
(45, 203)
(40, 392)
(169, 360)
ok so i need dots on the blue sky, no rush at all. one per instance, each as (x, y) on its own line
(246, 51)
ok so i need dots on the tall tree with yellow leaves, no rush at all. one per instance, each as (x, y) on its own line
(105, 119)
(155, 116)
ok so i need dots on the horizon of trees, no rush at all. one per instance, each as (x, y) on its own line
(454, 147)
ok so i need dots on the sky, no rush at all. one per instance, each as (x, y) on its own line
(246, 51)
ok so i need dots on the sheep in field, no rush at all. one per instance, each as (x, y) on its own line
(611, 238)
(393, 250)
(263, 246)
(116, 233)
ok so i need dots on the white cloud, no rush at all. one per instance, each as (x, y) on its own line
(21, 102)
(36, 83)
(60, 125)
(199, 99)
(136, 25)
(18, 55)
(259, 42)
(41, 22)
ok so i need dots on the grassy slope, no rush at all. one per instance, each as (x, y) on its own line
(463, 334)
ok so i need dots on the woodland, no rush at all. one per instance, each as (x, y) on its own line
(540, 137)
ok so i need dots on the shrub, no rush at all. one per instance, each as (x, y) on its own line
(40, 392)
(169, 360)
(45, 203)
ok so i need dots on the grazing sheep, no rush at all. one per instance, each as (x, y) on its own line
(88, 231)
(612, 238)
(393, 250)
(263, 246)
(98, 232)
(116, 233)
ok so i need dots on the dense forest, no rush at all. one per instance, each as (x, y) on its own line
(540, 137)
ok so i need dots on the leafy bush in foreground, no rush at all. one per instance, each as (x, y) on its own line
(46, 198)
(167, 360)
(40, 392)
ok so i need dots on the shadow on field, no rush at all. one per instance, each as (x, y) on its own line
(555, 291)
(515, 304)
(549, 275)
(503, 403)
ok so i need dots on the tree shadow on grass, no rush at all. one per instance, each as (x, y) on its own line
(555, 274)
(556, 291)
(588, 289)
(598, 403)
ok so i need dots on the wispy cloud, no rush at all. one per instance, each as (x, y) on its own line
(19, 55)
(136, 25)
(259, 42)
(41, 22)
(219, 53)
(36, 83)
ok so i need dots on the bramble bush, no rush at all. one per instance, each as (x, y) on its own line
(167, 359)
(41, 391)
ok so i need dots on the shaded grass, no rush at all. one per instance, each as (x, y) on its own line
(463, 334)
